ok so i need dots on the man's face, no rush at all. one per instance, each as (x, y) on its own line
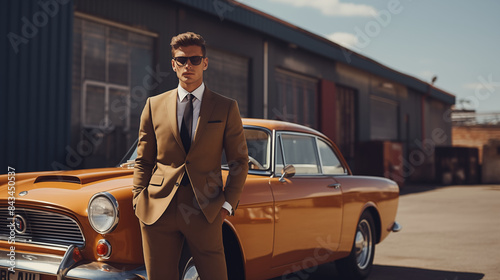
(190, 76)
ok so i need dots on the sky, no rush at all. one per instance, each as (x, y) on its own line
(456, 40)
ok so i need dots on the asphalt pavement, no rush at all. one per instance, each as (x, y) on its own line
(449, 233)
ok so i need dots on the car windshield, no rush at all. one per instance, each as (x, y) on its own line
(259, 150)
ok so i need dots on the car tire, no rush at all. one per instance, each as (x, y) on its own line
(359, 263)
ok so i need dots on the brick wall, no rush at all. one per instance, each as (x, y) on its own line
(474, 136)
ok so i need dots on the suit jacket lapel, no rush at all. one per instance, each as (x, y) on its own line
(207, 107)
(171, 106)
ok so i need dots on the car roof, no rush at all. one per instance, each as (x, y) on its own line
(281, 126)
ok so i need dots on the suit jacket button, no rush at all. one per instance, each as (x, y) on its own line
(187, 162)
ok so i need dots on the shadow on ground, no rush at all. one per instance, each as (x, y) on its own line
(420, 188)
(411, 189)
(383, 272)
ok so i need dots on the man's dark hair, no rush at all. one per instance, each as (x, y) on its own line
(188, 39)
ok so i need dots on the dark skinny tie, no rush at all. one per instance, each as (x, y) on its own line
(187, 124)
(186, 131)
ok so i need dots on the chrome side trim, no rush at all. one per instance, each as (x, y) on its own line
(396, 227)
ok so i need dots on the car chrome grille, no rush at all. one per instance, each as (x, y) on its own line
(42, 227)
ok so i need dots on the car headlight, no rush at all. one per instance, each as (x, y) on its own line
(103, 212)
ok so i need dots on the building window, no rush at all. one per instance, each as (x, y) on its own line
(297, 98)
(384, 119)
(99, 106)
(111, 63)
(227, 74)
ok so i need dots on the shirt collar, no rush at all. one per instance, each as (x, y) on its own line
(198, 92)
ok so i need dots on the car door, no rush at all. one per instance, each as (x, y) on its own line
(308, 206)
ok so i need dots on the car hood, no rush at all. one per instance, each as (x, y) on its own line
(64, 189)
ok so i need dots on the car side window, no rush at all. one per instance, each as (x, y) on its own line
(301, 151)
(279, 156)
(330, 162)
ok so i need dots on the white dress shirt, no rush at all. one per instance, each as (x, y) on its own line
(182, 102)
(181, 107)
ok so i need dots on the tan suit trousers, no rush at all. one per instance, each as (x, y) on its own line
(183, 220)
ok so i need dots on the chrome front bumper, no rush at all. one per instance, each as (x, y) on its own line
(66, 267)
(396, 227)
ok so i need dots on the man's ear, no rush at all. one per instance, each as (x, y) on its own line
(173, 64)
(205, 63)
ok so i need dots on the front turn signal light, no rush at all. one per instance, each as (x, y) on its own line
(103, 249)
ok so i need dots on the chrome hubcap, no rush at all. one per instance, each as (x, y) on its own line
(190, 273)
(363, 244)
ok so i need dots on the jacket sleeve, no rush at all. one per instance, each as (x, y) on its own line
(146, 153)
(237, 156)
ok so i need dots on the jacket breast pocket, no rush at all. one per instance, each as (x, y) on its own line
(156, 180)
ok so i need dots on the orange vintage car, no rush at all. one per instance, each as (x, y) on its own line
(301, 207)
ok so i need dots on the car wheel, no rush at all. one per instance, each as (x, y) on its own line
(187, 268)
(358, 264)
(190, 272)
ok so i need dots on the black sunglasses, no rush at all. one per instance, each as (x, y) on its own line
(182, 60)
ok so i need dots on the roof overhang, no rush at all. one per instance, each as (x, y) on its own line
(274, 27)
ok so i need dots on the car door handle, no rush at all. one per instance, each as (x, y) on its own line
(335, 186)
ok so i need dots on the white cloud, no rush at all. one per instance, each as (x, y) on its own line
(473, 86)
(347, 40)
(334, 7)
(486, 82)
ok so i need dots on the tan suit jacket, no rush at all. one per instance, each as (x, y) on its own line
(161, 159)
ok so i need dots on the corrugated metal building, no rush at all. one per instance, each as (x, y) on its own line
(35, 84)
(86, 74)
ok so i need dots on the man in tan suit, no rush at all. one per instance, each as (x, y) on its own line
(178, 189)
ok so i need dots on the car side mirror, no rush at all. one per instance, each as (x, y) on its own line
(287, 172)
